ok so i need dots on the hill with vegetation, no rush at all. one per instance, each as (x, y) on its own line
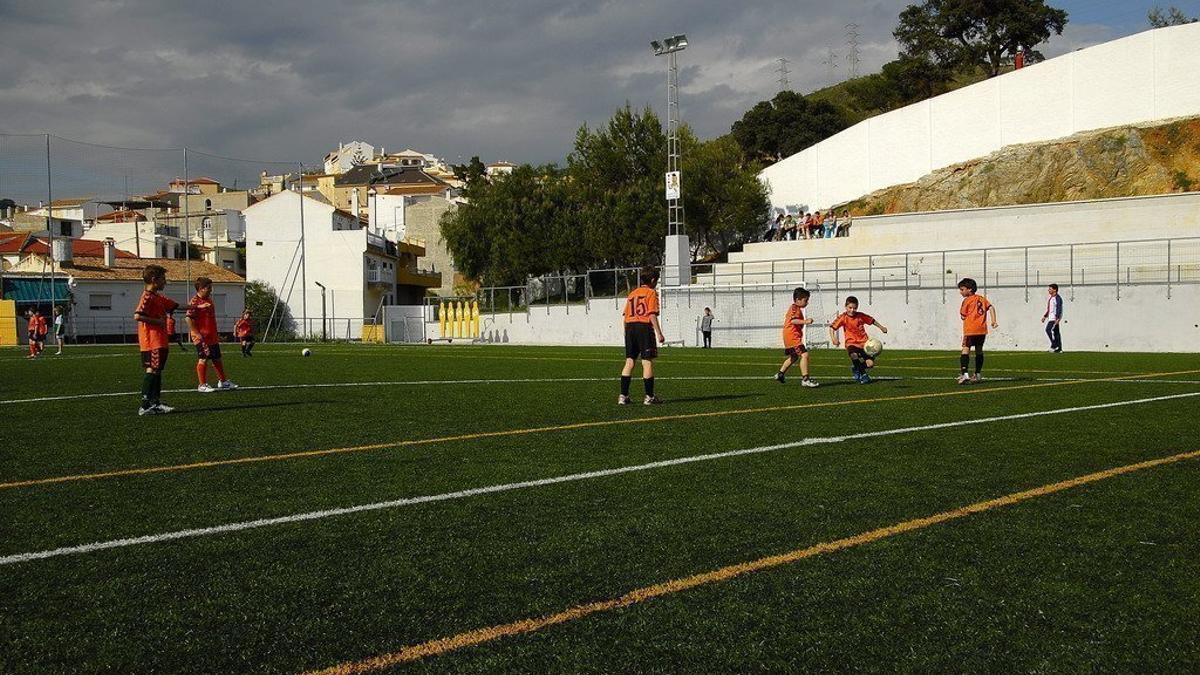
(1117, 162)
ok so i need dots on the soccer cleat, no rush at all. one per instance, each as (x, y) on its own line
(808, 383)
(226, 385)
(205, 388)
(855, 375)
(864, 379)
(622, 400)
(779, 378)
(977, 378)
(652, 400)
(163, 409)
(964, 379)
(148, 411)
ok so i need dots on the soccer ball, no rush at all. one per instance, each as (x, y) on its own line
(873, 347)
(306, 352)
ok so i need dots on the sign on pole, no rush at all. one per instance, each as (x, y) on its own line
(672, 185)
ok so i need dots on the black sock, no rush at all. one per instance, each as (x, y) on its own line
(649, 384)
(978, 361)
(147, 389)
(156, 396)
(625, 379)
(964, 361)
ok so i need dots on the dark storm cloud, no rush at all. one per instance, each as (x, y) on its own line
(504, 80)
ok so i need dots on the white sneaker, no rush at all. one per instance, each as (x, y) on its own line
(205, 388)
(163, 409)
(148, 411)
(808, 383)
(976, 378)
(964, 378)
(226, 384)
(652, 400)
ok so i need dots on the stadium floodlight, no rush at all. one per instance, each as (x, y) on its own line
(669, 47)
(675, 43)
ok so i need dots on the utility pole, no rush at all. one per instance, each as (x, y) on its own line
(852, 51)
(830, 62)
(783, 75)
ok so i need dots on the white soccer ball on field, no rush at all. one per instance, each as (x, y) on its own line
(306, 352)
(873, 347)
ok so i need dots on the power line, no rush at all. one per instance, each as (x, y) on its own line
(783, 75)
(830, 61)
(852, 55)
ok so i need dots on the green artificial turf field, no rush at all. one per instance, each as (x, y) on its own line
(503, 484)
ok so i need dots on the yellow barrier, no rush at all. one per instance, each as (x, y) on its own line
(8, 323)
(372, 333)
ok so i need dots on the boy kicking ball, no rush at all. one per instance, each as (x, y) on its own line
(202, 324)
(974, 314)
(793, 338)
(853, 323)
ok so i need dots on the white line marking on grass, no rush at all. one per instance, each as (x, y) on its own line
(549, 380)
(568, 478)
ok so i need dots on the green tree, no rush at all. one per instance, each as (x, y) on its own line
(261, 300)
(725, 203)
(513, 227)
(470, 171)
(785, 125)
(616, 184)
(1172, 16)
(976, 33)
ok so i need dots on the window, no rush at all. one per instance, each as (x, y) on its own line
(258, 243)
(100, 302)
(64, 229)
(207, 204)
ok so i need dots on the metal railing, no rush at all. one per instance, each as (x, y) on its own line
(1119, 264)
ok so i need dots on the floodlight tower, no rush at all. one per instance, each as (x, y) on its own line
(677, 261)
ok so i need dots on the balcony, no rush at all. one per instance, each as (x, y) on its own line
(378, 276)
(422, 278)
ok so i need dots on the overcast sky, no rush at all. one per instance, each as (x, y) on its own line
(503, 79)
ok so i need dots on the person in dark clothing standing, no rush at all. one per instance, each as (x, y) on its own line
(706, 327)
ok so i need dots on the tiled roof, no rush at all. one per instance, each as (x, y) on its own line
(130, 269)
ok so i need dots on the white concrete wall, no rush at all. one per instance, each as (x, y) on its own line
(1150, 76)
(922, 319)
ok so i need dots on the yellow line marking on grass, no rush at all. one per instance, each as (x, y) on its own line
(141, 471)
(480, 636)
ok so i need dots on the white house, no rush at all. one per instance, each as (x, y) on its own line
(349, 269)
(349, 155)
(103, 291)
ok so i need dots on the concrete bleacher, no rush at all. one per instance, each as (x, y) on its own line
(1152, 239)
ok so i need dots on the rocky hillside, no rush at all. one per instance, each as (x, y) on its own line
(1116, 162)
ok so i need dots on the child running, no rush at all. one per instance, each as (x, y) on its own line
(243, 330)
(853, 323)
(202, 324)
(153, 340)
(793, 338)
(974, 314)
(642, 335)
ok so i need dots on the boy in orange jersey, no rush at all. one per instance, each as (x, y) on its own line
(853, 323)
(153, 340)
(974, 314)
(37, 333)
(642, 335)
(243, 330)
(202, 324)
(793, 338)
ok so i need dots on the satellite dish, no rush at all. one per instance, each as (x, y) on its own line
(71, 283)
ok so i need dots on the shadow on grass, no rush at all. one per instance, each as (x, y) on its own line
(723, 397)
(245, 406)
